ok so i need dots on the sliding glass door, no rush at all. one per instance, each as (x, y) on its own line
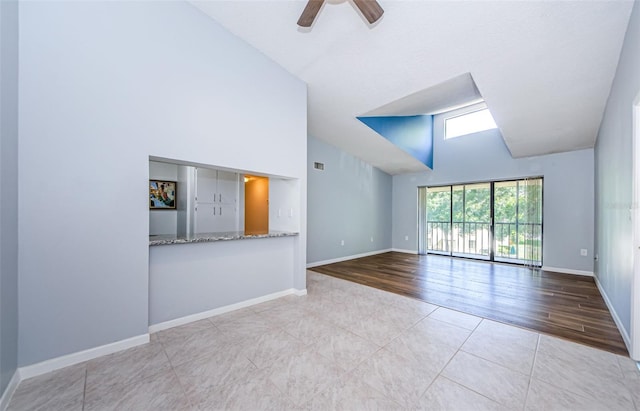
(438, 222)
(499, 221)
(471, 222)
(518, 221)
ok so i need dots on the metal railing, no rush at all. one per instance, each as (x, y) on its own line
(514, 241)
(459, 237)
(519, 241)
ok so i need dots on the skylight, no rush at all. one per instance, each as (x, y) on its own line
(468, 123)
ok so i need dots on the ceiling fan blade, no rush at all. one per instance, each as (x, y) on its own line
(370, 9)
(309, 13)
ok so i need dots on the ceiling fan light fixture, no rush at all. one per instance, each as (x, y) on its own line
(309, 13)
(370, 9)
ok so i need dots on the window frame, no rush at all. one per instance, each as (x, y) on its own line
(476, 109)
(423, 221)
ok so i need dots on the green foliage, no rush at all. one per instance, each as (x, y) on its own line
(514, 202)
(438, 206)
(477, 203)
(505, 204)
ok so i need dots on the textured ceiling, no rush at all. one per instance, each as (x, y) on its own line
(458, 92)
(544, 68)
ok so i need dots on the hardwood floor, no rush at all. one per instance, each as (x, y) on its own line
(564, 305)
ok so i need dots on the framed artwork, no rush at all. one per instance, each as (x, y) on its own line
(162, 195)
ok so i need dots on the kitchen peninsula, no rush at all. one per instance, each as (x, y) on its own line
(169, 239)
(233, 240)
(205, 275)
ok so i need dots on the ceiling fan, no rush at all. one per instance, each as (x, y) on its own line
(370, 9)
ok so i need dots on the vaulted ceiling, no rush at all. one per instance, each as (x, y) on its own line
(544, 68)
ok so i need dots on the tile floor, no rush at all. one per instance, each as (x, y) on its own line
(342, 347)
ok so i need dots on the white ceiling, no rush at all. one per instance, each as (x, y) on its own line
(544, 68)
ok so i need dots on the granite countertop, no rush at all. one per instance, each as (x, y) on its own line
(211, 237)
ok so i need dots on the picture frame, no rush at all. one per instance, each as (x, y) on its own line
(163, 195)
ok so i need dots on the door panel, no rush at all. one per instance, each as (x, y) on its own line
(506, 222)
(518, 221)
(439, 219)
(227, 187)
(205, 218)
(472, 231)
(206, 185)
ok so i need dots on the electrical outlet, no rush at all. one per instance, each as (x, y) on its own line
(406, 238)
(341, 242)
(583, 252)
(372, 239)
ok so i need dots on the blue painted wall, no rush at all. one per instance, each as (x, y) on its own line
(413, 134)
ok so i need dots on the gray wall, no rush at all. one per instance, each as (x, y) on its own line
(614, 176)
(104, 86)
(8, 191)
(216, 274)
(568, 191)
(350, 200)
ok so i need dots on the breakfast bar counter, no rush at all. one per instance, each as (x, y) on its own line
(211, 237)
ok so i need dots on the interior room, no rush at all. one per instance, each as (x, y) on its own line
(352, 204)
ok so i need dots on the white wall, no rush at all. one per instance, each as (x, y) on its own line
(350, 200)
(8, 192)
(164, 221)
(103, 86)
(568, 191)
(614, 176)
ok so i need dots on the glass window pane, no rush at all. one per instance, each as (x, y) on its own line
(438, 218)
(505, 202)
(468, 123)
(477, 202)
(477, 218)
(458, 204)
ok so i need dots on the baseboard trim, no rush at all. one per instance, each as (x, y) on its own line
(346, 258)
(614, 314)
(53, 364)
(10, 390)
(567, 271)
(221, 310)
(400, 250)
